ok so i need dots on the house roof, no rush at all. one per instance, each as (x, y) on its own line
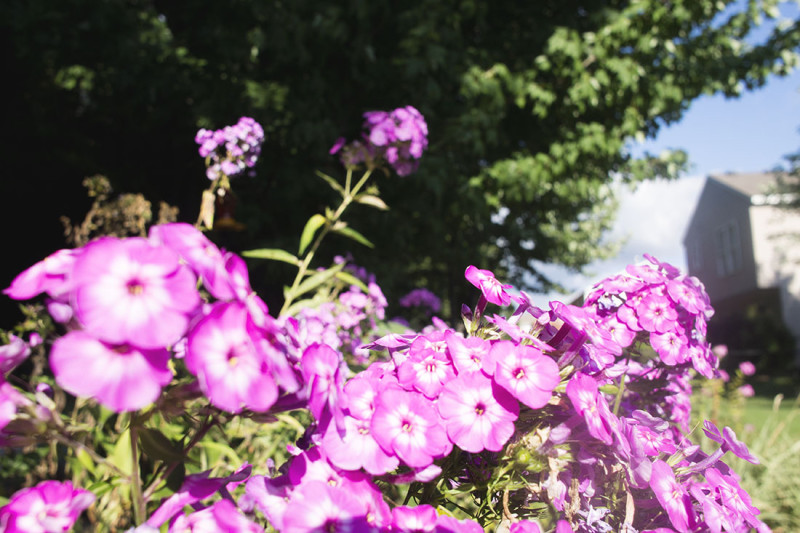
(747, 183)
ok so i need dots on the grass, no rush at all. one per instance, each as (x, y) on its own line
(769, 423)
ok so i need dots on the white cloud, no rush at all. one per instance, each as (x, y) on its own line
(653, 219)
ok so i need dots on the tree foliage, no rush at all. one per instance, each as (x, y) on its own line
(531, 107)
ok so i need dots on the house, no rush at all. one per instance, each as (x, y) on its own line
(744, 245)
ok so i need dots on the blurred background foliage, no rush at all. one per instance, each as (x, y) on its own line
(531, 108)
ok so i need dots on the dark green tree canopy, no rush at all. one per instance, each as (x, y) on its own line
(530, 106)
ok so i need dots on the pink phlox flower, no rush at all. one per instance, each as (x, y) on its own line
(588, 402)
(467, 354)
(732, 497)
(49, 507)
(526, 526)
(703, 359)
(583, 325)
(340, 142)
(407, 424)
(313, 465)
(656, 313)
(686, 295)
(646, 273)
(198, 252)
(222, 517)
(316, 507)
(121, 377)
(491, 289)
(426, 371)
(672, 496)
(645, 440)
(196, 488)
(223, 353)
(627, 315)
(421, 298)
(131, 291)
(671, 346)
(746, 391)
(360, 393)
(392, 341)
(729, 441)
(270, 496)
(747, 368)
(322, 371)
(419, 519)
(356, 448)
(562, 526)
(715, 516)
(668, 269)
(10, 400)
(13, 353)
(618, 330)
(50, 275)
(434, 341)
(524, 371)
(477, 413)
(448, 524)
(239, 280)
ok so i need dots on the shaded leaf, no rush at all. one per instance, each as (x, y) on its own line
(353, 234)
(313, 224)
(372, 200)
(317, 279)
(352, 280)
(332, 182)
(176, 477)
(159, 447)
(274, 254)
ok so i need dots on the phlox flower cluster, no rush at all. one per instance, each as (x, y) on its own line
(397, 137)
(49, 507)
(232, 150)
(343, 324)
(656, 300)
(565, 405)
(439, 390)
(422, 298)
(131, 306)
(633, 436)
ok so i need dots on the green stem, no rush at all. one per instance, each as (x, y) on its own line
(620, 390)
(136, 482)
(329, 223)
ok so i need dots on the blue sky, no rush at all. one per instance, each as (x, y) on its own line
(751, 133)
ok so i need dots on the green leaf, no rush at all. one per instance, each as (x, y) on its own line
(159, 447)
(352, 280)
(221, 449)
(122, 456)
(332, 182)
(274, 254)
(100, 488)
(317, 279)
(313, 224)
(176, 477)
(372, 200)
(85, 460)
(353, 234)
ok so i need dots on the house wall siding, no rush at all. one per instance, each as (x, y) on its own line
(718, 207)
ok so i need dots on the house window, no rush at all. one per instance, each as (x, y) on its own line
(695, 252)
(728, 247)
